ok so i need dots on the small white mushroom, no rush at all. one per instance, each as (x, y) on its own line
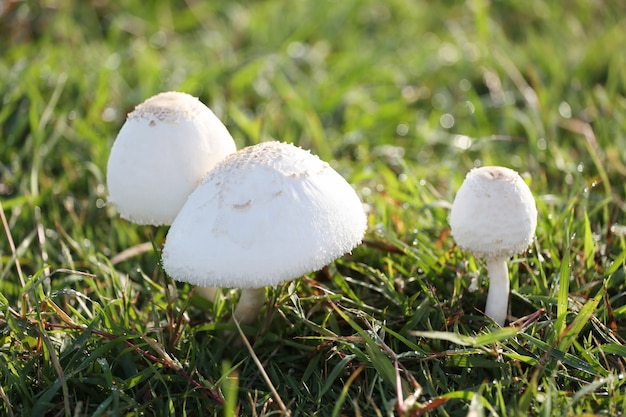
(266, 214)
(494, 216)
(164, 149)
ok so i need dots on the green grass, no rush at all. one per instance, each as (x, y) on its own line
(403, 98)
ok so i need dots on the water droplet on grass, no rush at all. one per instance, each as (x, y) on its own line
(565, 110)
(446, 120)
(542, 144)
(402, 129)
(618, 229)
(462, 142)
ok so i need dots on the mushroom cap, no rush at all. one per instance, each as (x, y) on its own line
(494, 213)
(266, 214)
(164, 149)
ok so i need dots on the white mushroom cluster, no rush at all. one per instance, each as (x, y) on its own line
(272, 212)
(249, 219)
(494, 216)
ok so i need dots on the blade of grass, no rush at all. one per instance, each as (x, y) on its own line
(335, 372)
(4, 397)
(7, 231)
(261, 369)
(572, 331)
(463, 340)
(589, 245)
(567, 358)
(564, 279)
(589, 388)
(58, 368)
(380, 361)
(344, 391)
(231, 386)
(471, 396)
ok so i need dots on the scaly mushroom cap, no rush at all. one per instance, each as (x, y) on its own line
(164, 149)
(266, 214)
(494, 213)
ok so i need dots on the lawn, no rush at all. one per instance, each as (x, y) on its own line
(402, 98)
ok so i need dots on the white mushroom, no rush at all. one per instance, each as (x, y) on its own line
(264, 215)
(164, 149)
(494, 216)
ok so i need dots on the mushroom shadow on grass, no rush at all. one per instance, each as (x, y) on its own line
(266, 214)
(494, 216)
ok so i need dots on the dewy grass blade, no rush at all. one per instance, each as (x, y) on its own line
(564, 279)
(567, 358)
(589, 388)
(612, 349)
(455, 338)
(589, 244)
(572, 331)
(462, 340)
(495, 336)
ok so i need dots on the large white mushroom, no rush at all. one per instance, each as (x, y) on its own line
(266, 214)
(494, 216)
(164, 149)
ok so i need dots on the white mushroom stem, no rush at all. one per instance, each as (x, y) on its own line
(209, 293)
(498, 296)
(249, 306)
